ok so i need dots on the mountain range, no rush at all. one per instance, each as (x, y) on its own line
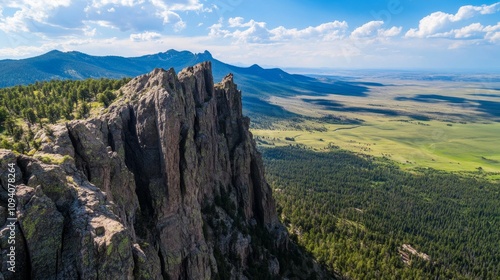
(257, 83)
(76, 65)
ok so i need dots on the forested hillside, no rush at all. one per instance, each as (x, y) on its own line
(367, 219)
(26, 109)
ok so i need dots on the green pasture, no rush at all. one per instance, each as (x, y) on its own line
(459, 147)
(436, 134)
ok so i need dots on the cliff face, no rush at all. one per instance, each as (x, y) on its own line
(165, 184)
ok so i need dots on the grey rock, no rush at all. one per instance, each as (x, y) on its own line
(165, 184)
(42, 227)
(3, 215)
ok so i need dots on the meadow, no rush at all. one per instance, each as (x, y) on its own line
(449, 124)
(410, 162)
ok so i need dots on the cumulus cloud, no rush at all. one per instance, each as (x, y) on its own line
(494, 38)
(437, 21)
(326, 31)
(236, 22)
(65, 17)
(216, 30)
(473, 30)
(29, 14)
(373, 29)
(141, 15)
(391, 32)
(492, 33)
(367, 29)
(257, 32)
(253, 31)
(145, 36)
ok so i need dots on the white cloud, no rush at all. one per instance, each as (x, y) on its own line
(323, 44)
(326, 31)
(437, 21)
(67, 17)
(142, 15)
(132, 16)
(492, 28)
(468, 31)
(179, 26)
(494, 37)
(145, 36)
(64, 44)
(22, 51)
(253, 31)
(391, 32)
(100, 23)
(492, 33)
(217, 31)
(257, 32)
(475, 31)
(373, 29)
(235, 22)
(469, 11)
(29, 14)
(89, 32)
(367, 30)
(102, 3)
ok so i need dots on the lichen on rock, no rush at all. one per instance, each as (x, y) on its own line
(166, 184)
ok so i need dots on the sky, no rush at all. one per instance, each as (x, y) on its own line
(376, 34)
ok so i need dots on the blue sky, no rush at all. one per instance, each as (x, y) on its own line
(392, 34)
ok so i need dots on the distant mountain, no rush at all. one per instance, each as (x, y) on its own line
(256, 82)
(76, 65)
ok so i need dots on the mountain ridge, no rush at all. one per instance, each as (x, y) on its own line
(258, 84)
(56, 64)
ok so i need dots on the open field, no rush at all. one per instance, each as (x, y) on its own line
(446, 125)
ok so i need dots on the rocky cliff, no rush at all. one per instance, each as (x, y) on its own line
(166, 183)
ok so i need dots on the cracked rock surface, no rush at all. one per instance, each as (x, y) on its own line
(166, 183)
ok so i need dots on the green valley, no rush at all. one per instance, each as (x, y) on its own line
(400, 182)
(442, 125)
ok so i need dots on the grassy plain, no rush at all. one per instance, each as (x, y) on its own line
(445, 125)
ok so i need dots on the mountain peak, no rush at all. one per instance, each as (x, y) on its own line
(255, 66)
(58, 53)
(206, 55)
(53, 52)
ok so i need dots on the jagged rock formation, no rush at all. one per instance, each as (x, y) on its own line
(165, 184)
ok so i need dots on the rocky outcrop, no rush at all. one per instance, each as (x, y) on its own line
(166, 183)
